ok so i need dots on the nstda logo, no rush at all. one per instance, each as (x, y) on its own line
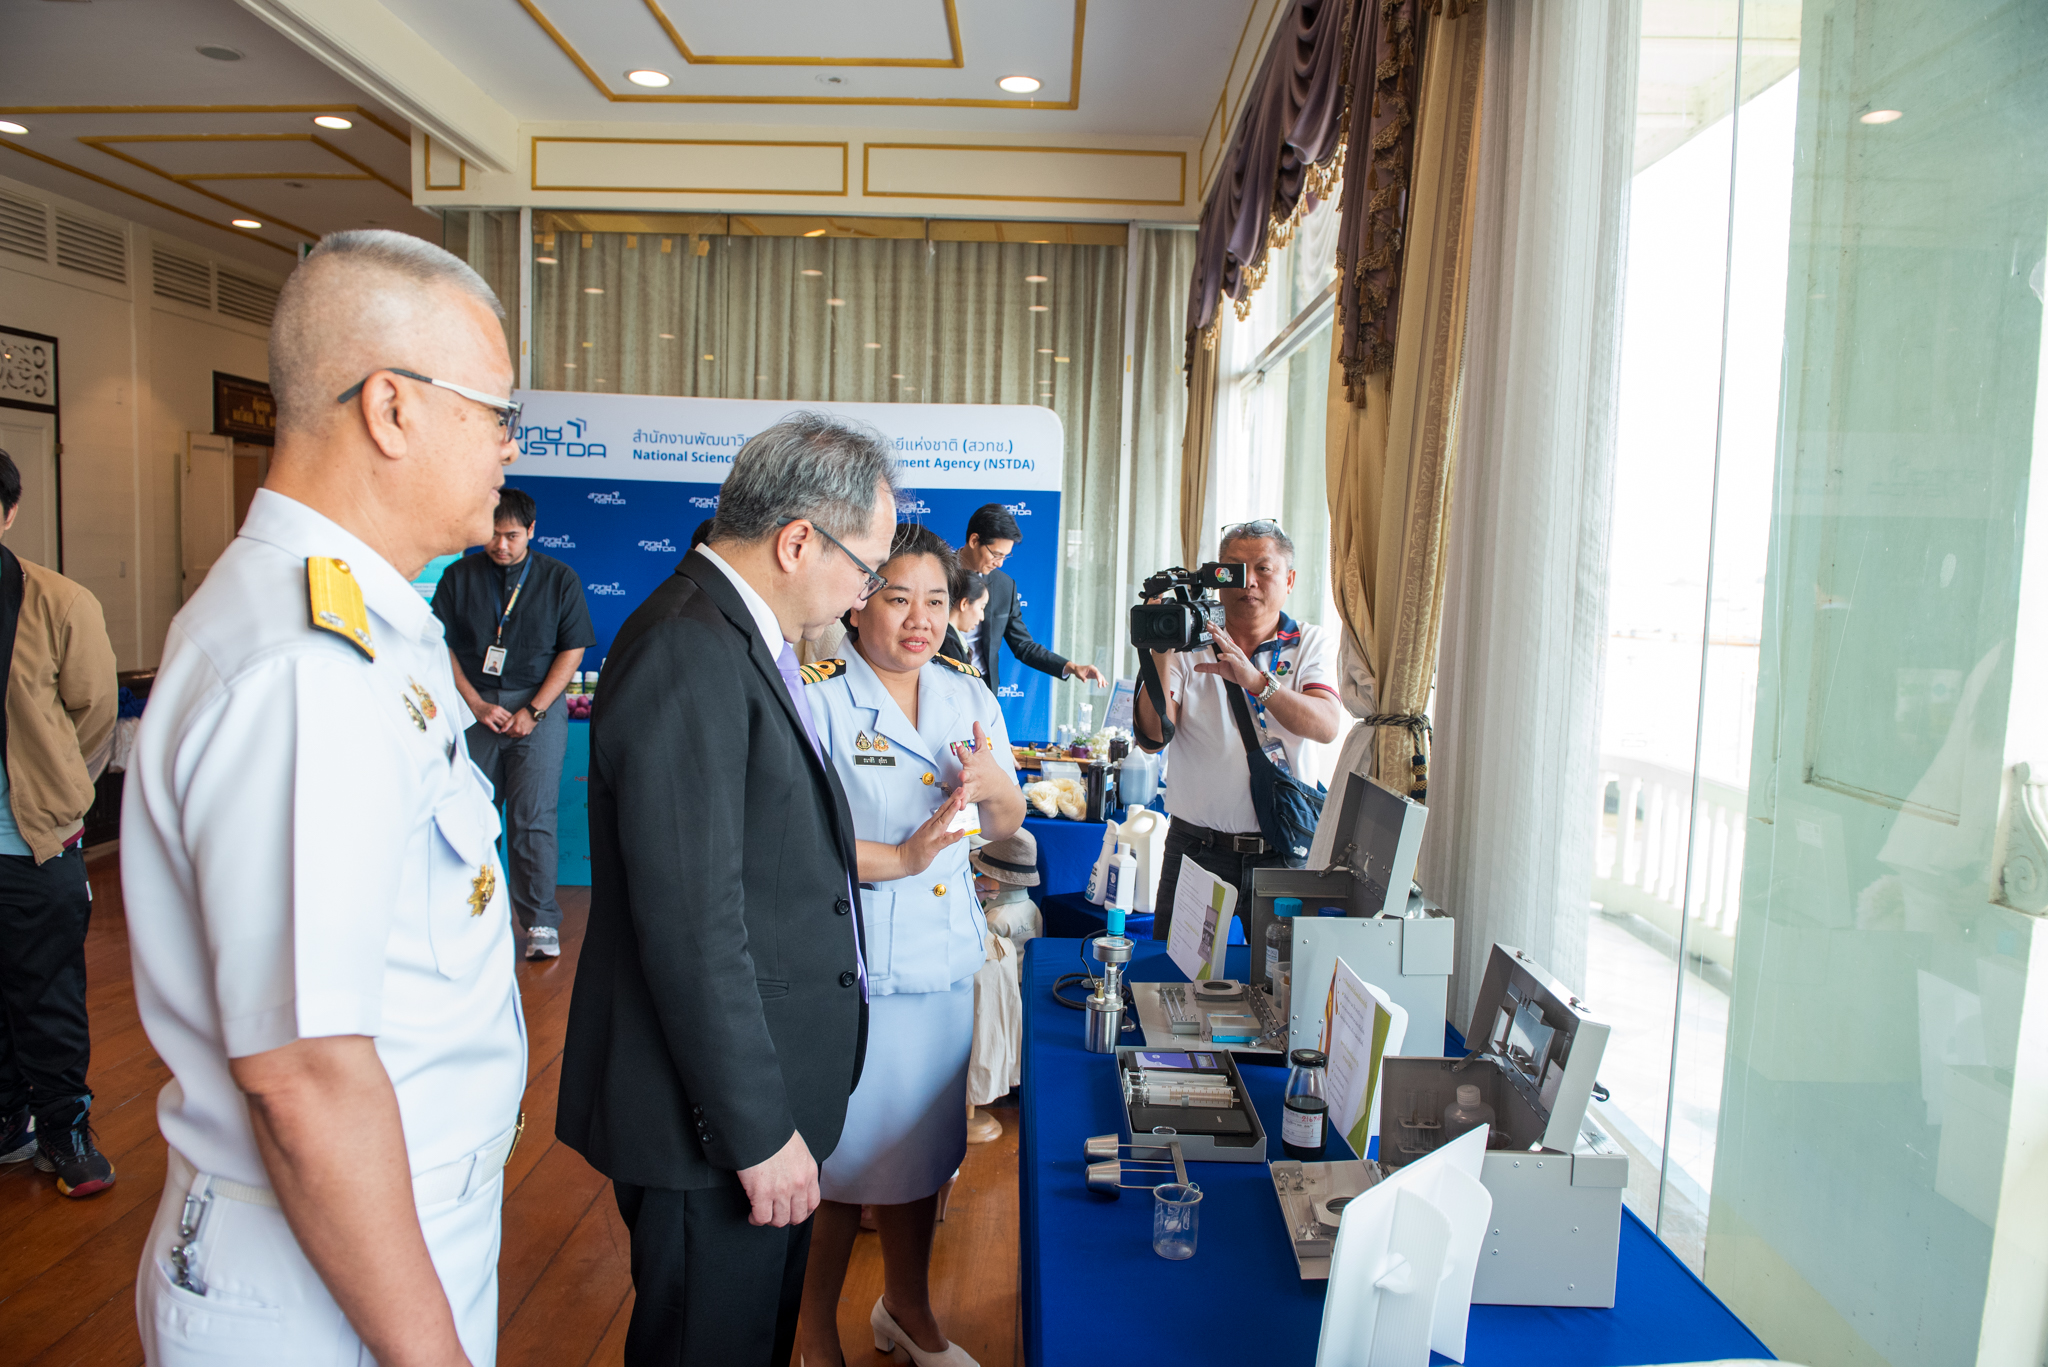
(566, 440)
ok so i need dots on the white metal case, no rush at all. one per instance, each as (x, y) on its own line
(1557, 1185)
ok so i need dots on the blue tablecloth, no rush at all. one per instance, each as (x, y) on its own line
(1086, 1259)
(1067, 850)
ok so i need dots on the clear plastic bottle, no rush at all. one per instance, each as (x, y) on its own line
(1305, 1121)
(1280, 938)
(1467, 1112)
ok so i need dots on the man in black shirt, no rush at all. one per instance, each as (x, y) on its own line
(517, 628)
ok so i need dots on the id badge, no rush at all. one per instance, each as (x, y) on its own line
(1277, 753)
(494, 660)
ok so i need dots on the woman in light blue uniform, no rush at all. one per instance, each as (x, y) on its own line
(915, 737)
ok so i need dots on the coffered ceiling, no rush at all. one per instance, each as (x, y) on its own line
(124, 113)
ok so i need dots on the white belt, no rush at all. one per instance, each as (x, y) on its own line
(429, 1188)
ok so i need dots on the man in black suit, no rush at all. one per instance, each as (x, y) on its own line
(992, 534)
(719, 1015)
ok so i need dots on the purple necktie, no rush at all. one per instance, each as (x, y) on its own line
(785, 664)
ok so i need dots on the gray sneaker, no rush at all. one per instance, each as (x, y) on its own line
(543, 942)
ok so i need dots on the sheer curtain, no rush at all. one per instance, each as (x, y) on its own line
(1518, 691)
(488, 239)
(875, 321)
(1162, 259)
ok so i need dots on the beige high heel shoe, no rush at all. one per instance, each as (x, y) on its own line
(889, 1336)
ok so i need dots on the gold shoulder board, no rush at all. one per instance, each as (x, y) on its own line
(822, 670)
(335, 601)
(961, 665)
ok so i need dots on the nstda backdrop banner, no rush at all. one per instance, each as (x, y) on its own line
(622, 480)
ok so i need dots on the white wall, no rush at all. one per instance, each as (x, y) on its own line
(135, 373)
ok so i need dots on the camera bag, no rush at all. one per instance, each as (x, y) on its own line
(1288, 808)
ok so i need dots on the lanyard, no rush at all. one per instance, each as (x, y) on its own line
(513, 601)
(1275, 647)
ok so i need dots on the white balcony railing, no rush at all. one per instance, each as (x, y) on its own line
(1639, 860)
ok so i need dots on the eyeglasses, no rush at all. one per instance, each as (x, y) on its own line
(874, 581)
(506, 409)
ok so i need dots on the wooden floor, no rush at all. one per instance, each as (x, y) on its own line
(67, 1268)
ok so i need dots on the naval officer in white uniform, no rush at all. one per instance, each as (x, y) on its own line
(915, 737)
(315, 908)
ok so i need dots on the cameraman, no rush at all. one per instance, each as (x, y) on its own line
(1285, 669)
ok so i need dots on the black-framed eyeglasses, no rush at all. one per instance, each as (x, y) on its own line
(506, 409)
(874, 580)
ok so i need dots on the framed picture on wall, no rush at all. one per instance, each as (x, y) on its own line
(244, 409)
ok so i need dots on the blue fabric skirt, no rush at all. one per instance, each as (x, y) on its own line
(906, 1123)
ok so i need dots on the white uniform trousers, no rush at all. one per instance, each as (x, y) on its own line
(263, 1302)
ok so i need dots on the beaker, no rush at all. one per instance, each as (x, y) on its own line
(1174, 1210)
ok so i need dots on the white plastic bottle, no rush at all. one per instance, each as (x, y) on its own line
(1098, 873)
(1466, 1113)
(1123, 878)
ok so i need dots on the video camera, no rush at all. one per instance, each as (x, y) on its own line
(1184, 619)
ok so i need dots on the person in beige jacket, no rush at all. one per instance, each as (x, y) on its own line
(60, 706)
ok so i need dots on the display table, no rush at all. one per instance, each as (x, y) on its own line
(1067, 850)
(1092, 1285)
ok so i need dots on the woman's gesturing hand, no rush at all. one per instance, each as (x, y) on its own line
(927, 840)
(982, 775)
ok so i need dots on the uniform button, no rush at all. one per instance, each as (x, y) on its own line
(930, 779)
(846, 979)
(842, 906)
(938, 889)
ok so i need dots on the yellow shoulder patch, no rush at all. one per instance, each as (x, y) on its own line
(821, 671)
(335, 601)
(960, 665)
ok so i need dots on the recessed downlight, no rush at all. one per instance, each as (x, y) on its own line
(593, 289)
(1038, 308)
(1882, 116)
(1019, 85)
(1034, 280)
(245, 223)
(334, 121)
(9, 126)
(543, 261)
(811, 272)
(815, 232)
(219, 52)
(666, 336)
(836, 303)
(654, 80)
(872, 346)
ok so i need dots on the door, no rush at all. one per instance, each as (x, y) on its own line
(31, 438)
(206, 505)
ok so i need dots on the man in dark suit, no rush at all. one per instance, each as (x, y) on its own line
(719, 1015)
(992, 534)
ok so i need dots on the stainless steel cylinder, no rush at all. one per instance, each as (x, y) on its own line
(1105, 1022)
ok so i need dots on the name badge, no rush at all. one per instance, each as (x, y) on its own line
(883, 761)
(494, 660)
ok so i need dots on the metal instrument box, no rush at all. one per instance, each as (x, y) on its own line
(1557, 1184)
(1249, 1147)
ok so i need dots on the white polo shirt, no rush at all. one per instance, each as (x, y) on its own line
(1208, 779)
(306, 850)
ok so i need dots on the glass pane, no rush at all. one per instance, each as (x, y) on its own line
(1878, 1091)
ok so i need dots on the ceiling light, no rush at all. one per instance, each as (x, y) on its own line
(709, 356)
(666, 336)
(332, 121)
(895, 377)
(1061, 359)
(813, 272)
(245, 223)
(1882, 116)
(592, 289)
(653, 79)
(1019, 85)
(588, 345)
(568, 365)
(835, 303)
(872, 346)
(543, 261)
(1038, 308)
(218, 52)
(1034, 279)
(1045, 351)
(9, 126)
(815, 232)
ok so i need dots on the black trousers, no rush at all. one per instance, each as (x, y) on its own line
(45, 1042)
(1232, 867)
(708, 1286)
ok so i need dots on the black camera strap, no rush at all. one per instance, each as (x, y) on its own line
(1148, 680)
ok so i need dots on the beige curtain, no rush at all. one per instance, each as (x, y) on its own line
(1162, 259)
(488, 239)
(1389, 459)
(1197, 448)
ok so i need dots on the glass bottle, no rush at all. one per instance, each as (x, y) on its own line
(1466, 1113)
(1305, 1121)
(1280, 939)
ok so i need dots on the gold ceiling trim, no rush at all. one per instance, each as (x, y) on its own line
(369, 116)
(1029, 232)
(368, 172)
(1073, 100)
(651, 225)
(427, 169)
(959, 57)
(1022, 231)
(868, 193)
(807, 225)
(147, 199)
(533, 155)
(1222, 97)
(101, 143)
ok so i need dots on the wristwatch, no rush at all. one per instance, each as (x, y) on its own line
(540, 713)
(1265, 695)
